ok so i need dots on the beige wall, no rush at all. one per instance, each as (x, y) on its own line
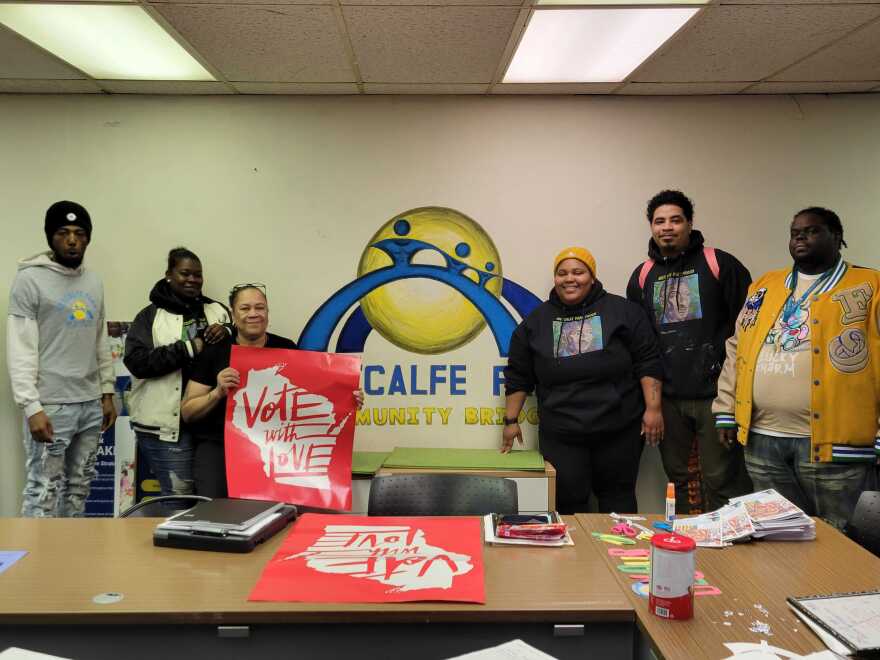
(289, 190)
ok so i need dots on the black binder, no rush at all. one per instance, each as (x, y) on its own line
(224, 525)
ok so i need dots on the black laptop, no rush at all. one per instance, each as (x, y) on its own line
(224, 525)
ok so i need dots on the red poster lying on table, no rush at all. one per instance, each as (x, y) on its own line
(290, 426)
(361, 559)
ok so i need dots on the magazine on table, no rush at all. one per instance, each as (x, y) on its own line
(541, 529)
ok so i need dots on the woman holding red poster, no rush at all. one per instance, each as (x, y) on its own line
(213, 379)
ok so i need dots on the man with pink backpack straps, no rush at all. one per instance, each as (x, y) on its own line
(693, 294)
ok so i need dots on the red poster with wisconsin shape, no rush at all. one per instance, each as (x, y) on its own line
(361, 559)
(290, 426)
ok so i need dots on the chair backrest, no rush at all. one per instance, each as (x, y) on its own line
(864, 526)
(163, 506)
(441, 495)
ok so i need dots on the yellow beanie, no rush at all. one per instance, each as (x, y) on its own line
(579, 253)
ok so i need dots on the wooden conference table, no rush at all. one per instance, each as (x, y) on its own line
(185, 604)
(750, 576)
(570, 602)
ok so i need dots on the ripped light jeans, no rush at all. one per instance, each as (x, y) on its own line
(59, 473)
(171, 462)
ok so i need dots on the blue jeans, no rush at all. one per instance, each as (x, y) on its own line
(59, 473)
(171, 462)
(827, 490)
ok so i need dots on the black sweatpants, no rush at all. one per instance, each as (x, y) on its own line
(605, 463)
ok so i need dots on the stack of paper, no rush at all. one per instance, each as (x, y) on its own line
(776, 518)
(718, 528)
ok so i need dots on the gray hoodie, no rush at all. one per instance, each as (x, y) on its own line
(56, 337)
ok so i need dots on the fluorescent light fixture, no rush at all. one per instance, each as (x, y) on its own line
(106, 41)
(631, 3)
(591, 45)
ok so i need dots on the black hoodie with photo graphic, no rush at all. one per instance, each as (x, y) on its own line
(693, 313)
(584, 362)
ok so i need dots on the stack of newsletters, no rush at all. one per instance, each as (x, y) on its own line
(543, 529)
(765, 514)
(776, 518)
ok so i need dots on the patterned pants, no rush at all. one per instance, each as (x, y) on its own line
(60, 472)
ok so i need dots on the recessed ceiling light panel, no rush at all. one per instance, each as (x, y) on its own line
(105, 41)
(591, 45)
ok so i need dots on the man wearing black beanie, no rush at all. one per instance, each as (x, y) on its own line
(60, 365)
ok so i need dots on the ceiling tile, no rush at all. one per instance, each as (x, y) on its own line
(429, 44)
(555, 88)
(811, 87)
(9, 86)
(425, 88)
(733, 42)
(701, 88)
(164, 87)
(295, 88)
(19, 58)
(856, 57)
(265, 43)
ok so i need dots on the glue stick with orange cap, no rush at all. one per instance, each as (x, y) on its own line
(670, 502)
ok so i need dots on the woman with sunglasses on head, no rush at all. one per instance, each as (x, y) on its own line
(161, 345)
(212, 379)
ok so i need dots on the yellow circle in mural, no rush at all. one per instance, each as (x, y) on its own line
(423, 315)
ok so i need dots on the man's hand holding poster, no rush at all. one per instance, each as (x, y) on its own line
(360, 559)
(290, 426)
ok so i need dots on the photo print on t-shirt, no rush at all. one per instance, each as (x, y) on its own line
(677, 299)
(577, 335)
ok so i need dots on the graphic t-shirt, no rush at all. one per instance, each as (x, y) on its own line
(781, 401)
(676, 298)
(575, 335)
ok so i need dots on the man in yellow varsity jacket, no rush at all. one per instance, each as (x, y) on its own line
(800, 387)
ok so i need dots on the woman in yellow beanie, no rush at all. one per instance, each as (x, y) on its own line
(593, 360)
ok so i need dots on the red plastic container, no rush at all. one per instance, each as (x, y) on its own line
(671, 595)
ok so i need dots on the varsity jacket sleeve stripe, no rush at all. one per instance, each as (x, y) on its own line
(22, 355)
(143, 359)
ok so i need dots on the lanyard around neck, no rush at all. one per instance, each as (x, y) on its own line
(792, 305)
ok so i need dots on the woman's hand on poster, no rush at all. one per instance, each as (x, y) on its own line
(510, 433)
(228, 379)
(215, 332)
(359, 398)
(652, 426)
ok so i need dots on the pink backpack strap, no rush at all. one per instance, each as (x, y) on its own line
(643, 273)
(712, 260)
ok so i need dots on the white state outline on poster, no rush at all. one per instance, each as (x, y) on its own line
(294, 429)
(396, 555)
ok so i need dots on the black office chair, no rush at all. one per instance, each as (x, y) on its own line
(441, 495)
(864, 527)
(163, 506)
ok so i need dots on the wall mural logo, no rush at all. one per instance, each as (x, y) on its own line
(429, 281)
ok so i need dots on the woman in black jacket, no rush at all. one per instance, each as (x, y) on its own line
(592, 359)
(162, 343)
